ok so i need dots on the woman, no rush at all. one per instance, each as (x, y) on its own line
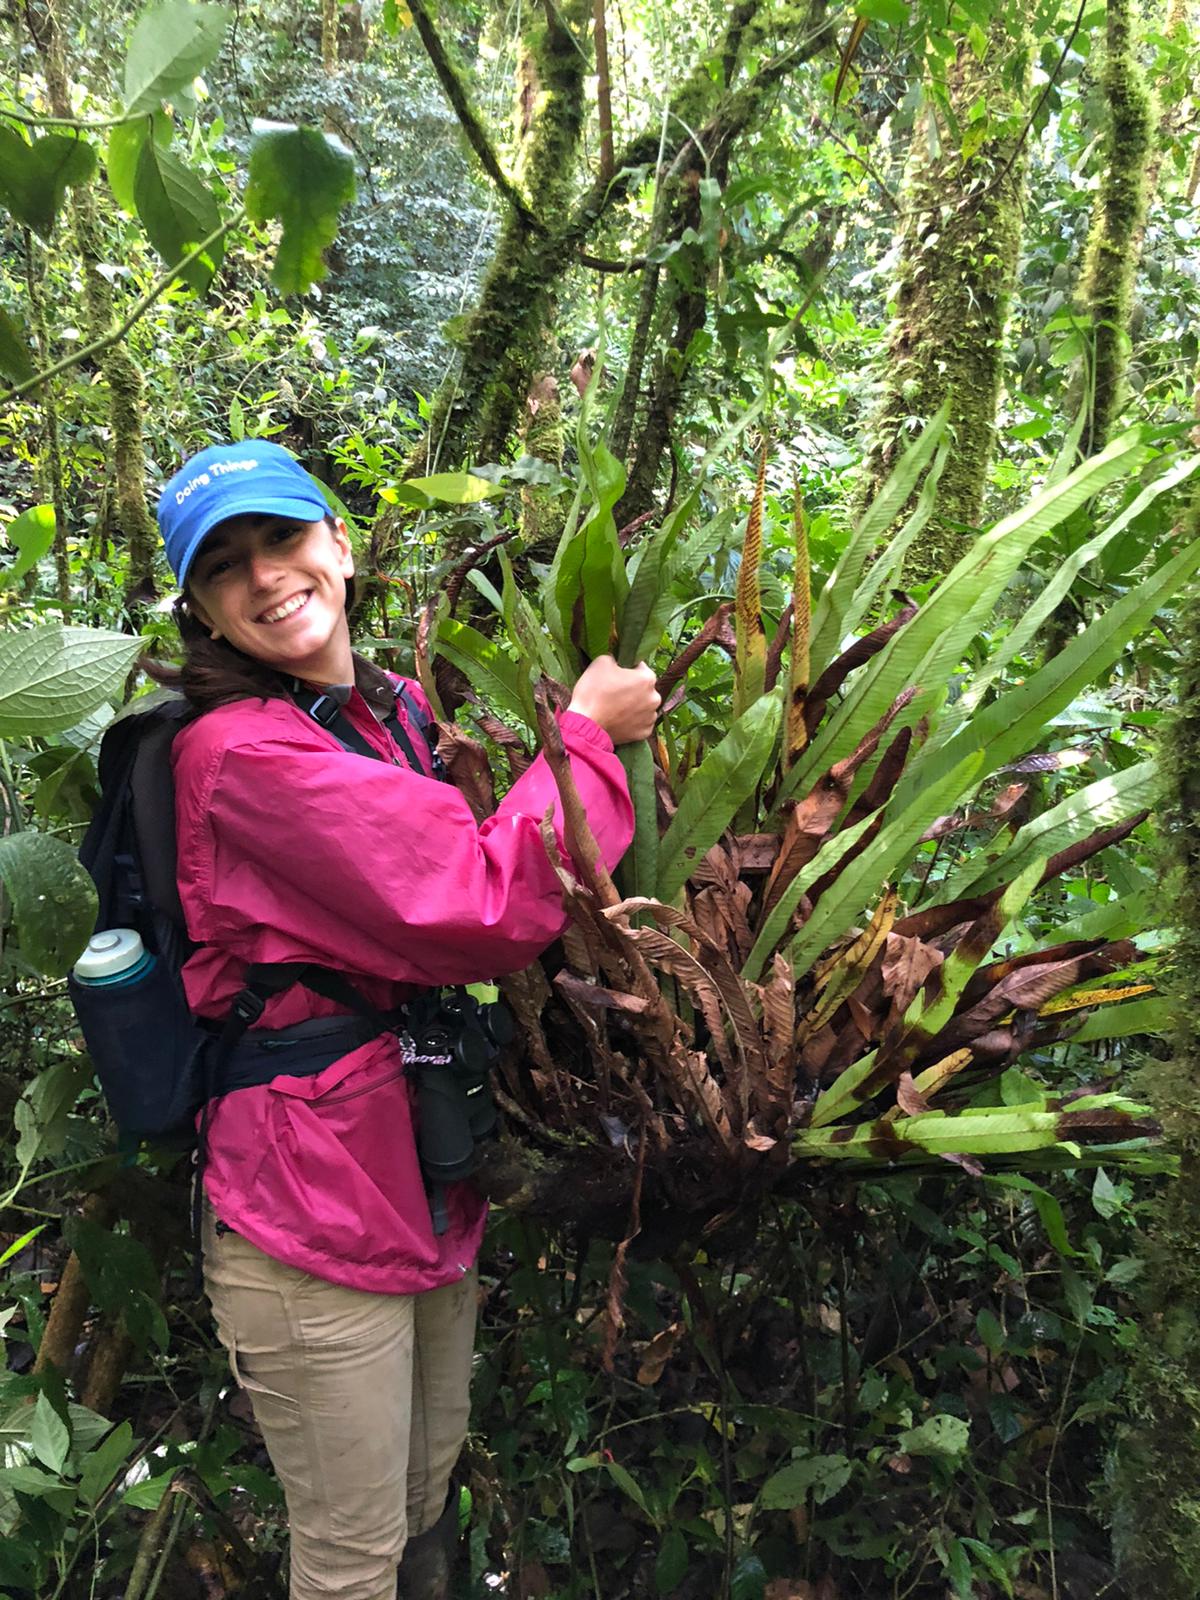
(347, 1317)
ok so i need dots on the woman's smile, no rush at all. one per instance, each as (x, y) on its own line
(289, 608)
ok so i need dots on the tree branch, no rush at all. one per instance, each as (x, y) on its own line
(160, 286)
(467, 116)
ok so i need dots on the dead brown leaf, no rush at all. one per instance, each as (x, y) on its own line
(658, 1352)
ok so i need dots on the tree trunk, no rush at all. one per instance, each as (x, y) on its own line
(120, 370)
(961, 235)
(1118, 218)
(329, 35)
(1156, 1523)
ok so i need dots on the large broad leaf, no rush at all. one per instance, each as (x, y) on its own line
(1012, 724)
(854, 887)
(448, 488)
(497, 678)
(828, 624)
(177, 212)
(16, 358)
(53, 675)
(1152, 1015)
(124, 152)
(31, 535)
(590, 582)
(171, 44)
(639, 867)
(1099, 805)
(53, 900)
(1027, 626)
(34, 177)
(728, 774)
(302, 178)
(926, 652)
(649, 574)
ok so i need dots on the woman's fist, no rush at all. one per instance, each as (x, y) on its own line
(623, 700)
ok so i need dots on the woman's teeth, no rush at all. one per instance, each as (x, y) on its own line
(286, 609)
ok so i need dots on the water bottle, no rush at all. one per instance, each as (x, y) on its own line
(115, 956)
(140, 1035)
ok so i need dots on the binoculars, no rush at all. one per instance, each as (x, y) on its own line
(450, 1044)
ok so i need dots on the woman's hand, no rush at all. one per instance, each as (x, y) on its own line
(623, 700)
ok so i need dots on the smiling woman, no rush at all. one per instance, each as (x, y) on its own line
(341, 1274)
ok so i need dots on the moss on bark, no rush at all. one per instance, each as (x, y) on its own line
(960, 239)
(1111, 256)
(120, 370)
(1156, 1484)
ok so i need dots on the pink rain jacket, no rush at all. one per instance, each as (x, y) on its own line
(291, 848)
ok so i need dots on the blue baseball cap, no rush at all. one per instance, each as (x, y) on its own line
(232, 480)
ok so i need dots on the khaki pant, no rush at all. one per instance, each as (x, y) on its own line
(362, 1400)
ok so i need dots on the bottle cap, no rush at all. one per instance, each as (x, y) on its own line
(109, 953)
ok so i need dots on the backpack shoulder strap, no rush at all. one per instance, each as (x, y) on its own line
(129, 847)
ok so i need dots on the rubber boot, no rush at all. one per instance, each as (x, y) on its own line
(428, 1560)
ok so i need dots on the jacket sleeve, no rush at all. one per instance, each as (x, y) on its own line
(373, 868)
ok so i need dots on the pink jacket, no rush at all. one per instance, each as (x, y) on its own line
(291, 848)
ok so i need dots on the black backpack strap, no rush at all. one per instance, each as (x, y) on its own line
(420, 719)
(328, 711)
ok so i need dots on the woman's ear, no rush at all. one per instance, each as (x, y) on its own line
(196, 610)
(341, 535)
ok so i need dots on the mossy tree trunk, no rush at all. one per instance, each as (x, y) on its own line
(960, 239)
(1156, 1487)
(1118, 219)
(548, 220)
(119, 369)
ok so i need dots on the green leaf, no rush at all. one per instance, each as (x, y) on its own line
(590, 577)
(1011, 725)
(53, 900)
(729, 773)
(670, 1568)
(628, 1484)
(34, 177)
(639, 866)
(649, 573)
(1050, 1212)
(937, 1436)
(1032, 617)
(501, 681)
(828, 629)
(16, 358)
(124, 152)
(451, 488)
(822, 1476)
(1151, 1015)
(49, 1437)
(122, 1278)
(52, 675)
(32, 534)
(145, 1496)
(748, 1580)
(302, 178)
(926, 652)
(177, 211)
(45, 1485)
(1100, 804)
(41, 1115)
(892, 12)
(171, 45)
(103, 1463)
(15, 1248)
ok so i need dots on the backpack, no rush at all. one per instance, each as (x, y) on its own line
(157, 1064)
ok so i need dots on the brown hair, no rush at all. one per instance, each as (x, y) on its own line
(213, 672)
